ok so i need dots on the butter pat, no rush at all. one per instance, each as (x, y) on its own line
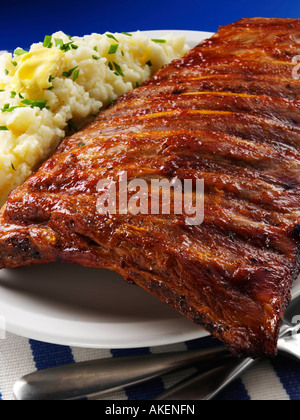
(35, 69)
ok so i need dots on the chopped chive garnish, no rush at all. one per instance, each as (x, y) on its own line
(74, 47)
(137, 84)
(13, 95)
(66, 47)
(126, 33)
(118, 69)
(96, 49)
(47, 41)
(50, 79)
(6, 72)
(14, 63)
(81, 144)
(111, 101)
(20, 51)
(5, 108)
(50, 88)
(70, 72)
(75, 75)
(8, 108)
(3, 128)
(159, 41)
(110, 66)
(72, 126)
(122, 52)
(37, 104)
(95, 57)
(21, 96)
(12, 165)
(113, 49)
(149, 63)
(112, 37)
(58, 42)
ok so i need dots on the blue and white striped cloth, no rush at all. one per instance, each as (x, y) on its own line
(270, 380)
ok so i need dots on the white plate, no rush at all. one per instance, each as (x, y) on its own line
(76, 306)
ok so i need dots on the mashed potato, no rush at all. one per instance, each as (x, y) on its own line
(63, 82)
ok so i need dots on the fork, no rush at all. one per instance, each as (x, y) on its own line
(206, 386)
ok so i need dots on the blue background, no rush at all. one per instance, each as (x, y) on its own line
(27, 21)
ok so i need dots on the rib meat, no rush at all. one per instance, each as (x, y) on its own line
(228, 113)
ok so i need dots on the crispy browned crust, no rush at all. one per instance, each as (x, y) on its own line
(228, 113)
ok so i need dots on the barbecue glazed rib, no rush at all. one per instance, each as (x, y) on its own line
(228, 113)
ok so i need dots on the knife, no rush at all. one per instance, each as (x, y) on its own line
(107, 375)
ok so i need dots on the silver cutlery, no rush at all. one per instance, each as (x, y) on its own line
(107, 375)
